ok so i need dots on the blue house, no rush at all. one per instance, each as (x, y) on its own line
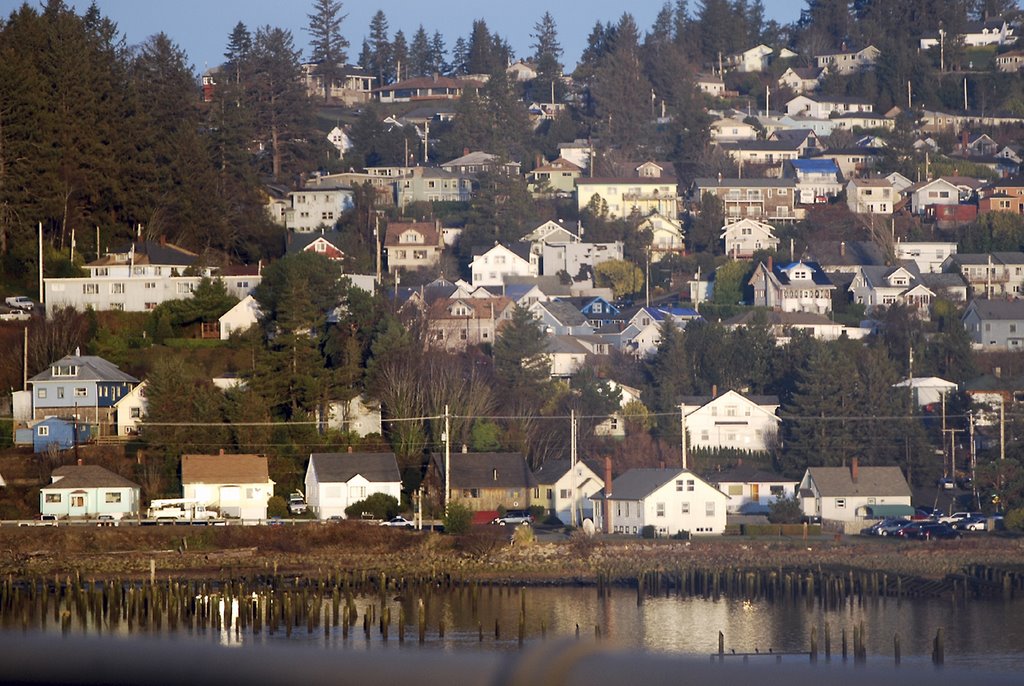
(59, 433)
(82, 386)
(598, 311)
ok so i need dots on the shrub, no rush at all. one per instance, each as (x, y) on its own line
(1014, 520)
(648, 531)
(785, 511)
(538, 512)
(380, 505)
(458, 519)
(277, 507)
(523, 536)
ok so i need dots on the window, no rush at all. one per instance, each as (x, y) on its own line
(150, 306)
(60, 392)
(150, 285)
(679, 485)
(840, 503)
(81, 392)
(777, 491)
(112, 497)
(136, 413)
(41, 393)
(564, 493)
(53, 497)
(42, 431)
(100, 271)
(551, 493)
(117, 306)
(90, 289)
(356, 493)
(117, 288)
(709, 508)
(470, 493)
(686, 508)
(184, 288)
(735, 489)
(659, 509)
(689, 484)
(77, 501)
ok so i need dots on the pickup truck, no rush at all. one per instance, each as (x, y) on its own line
(14, 316)
(20, 302)
(44, 520)
(296, 503)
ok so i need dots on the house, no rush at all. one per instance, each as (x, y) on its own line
(243, 315)
(822, 107)
(457, 323)
(482, 481)
(899, 182)
(598, 311)
(434, 87)
(854, 493)
(884, 286)
(319, 203)
(472, 164)
(235, 485)
(926, 196)
(732, 129)
(339, 138)
(806, 141)
(88, 491)
(412, 245)
(1010, 61)
(561, 318)
(929, 390)
(710, 84)
(429, 184)
(335, 481)
(557, 177)
(731, 421)
(782, 325)
(929, 256)
(817, 180)
(84, 387)
(989, 275)
(623, 197)
(666, 236)
(859, 121)
(995, 324)
(751, 490)
(522, 71)
(577, 259)
(801, 79)
(974, 34)
(323, 242)
(131, 410)
(670, 500)
(141, 276)
(753, 59)
(855, 161)
(359, 415)
(758, 152)
(354, 84)
(553, 232)
(558, 481)
(845, 62)
(870, 196)
(747, 236)
(566, 355)
(578, 152)
(53, 434)
(490, 265)
(615, 425)
(799, 286)
(766, 200)
(1002, 195)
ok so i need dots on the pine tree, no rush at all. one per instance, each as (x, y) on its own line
(420, 61)
(380, 59)
(519, 359)
(400, 56)
(238, 50)
(460, 57)
(438, 52)
(621, 92)
(547, 52)
(329, 46)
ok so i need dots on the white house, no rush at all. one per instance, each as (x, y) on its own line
(883, 286)
(131, 410)
(731, 421)
(870, 196)
(731, 129)
(572, 257)
(360, 416)
(666, 236)
(670, 500)
(750, 490)
(88, 491)
(823, 107)
(800, 286)
(745, 237)
(801, 79)
(939, 191)
(753, 59)
(318, 203)
(336, 480)
(340, 139)
(622, 197)
(615, 425)
(490, 266)
(556, 482)
(928, 390)
(235, 485)
(848, 61)
(927, 255)
(244, 315)
(854, 493)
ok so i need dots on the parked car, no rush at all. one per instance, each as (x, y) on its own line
(44, 520)
(972, 524)
(20, 302)
(957, 516)
(926, 512)
(108, 520)
(946, 483)
(885, 527)
(929, 531)
(15, 316)
(398, 521)
(514, 517)
(297, 503)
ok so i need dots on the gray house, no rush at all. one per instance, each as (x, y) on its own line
(82, 385)
(995, 324)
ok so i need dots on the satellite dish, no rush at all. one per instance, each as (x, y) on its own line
(588, 527)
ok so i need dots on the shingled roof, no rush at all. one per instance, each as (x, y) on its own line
(87, 476)
(487, 470)
(871, 481)
(224, 469)
(341, 467)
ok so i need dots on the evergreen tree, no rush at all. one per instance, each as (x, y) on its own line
(547, 52)
(519, 359)
(622, 94)
(400, 55)
(380, 61)
(715, 27)
(238, 50)
(329, 46)
(438, 52)
(421, 61)
(460, 57)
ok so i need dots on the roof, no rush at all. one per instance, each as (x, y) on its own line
(632, 180)
(815, 166)
(998, 309)
(566, 345)
(435, 81)
(818, 276)
(637, 484)
(564, 312)
(149, 252)
(487, 470)
(702, 400)
(846, 252)
(871, 183)
(747, 474)
(429, 231)
(88, 476)
(553, 470)
(480, 308)
(775, 318)
(477, 157)
(341, 467)
(783, 145)
(224, 469)
(300, 240)
(90, 368)
(871, 481)
(743, 183)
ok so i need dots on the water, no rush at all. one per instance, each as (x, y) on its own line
(979, 633)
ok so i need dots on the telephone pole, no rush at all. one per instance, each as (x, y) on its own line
(682, 427)
(447, 460)
(572, 465)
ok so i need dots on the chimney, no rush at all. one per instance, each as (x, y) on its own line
(163, 240)
(607, 504)
(771, 263)
(854, 469)
(465, 151)
(842, 248)
(350, 450)
(714, 391)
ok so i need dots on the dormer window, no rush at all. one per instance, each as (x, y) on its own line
(65, 370)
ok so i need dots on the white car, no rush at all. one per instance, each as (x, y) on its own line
(15, 316)
(20, 302)
(398, 521)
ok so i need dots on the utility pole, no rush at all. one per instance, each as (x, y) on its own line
(682, 427)
(974, 459)
(447, 460)
(376, 239)
(572, 465)
(1002, 426)
(951, 473)
(40, 263)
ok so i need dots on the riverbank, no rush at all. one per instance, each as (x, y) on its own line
(484, 555)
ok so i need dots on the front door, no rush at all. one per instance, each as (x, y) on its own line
(77, 504)
(755, 493)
